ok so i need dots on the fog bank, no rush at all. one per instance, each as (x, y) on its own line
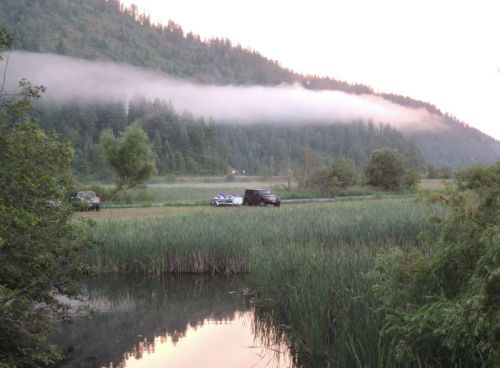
(68, 78)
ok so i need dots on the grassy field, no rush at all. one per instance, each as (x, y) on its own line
(311, 265)
(184, 191)
(206, 239)
(198, 191)
(434, 184)
(201, 194)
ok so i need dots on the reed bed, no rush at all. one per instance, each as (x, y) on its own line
(311, 266)
(225, 240)
(321, 302)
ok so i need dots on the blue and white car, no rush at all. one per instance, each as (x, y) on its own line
(227, 199)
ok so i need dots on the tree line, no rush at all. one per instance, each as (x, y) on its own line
(184, 144)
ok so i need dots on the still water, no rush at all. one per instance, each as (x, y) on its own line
(174, 322)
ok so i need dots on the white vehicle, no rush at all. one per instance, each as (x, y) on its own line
(227, 199)
(87, 199)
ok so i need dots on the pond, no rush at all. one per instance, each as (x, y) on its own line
(176, 321)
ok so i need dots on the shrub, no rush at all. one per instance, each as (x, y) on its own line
(339, 176)
(443, 301)
(385, 169)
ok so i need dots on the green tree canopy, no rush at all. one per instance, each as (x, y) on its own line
(130, 156)
(343, 173)
(40, 246)
(340, 175)
(385, 169)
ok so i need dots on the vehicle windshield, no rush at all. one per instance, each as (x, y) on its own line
(264, 192)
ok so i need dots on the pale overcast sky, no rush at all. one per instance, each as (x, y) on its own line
(442, 51)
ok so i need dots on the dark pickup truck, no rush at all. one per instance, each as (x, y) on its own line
(260, 197)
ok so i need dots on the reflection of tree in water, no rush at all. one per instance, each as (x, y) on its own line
(132, 312)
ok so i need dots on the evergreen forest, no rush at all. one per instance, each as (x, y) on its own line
(186, 144)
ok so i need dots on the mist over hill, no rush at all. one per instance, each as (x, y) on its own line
(68, 79)
(105, 31)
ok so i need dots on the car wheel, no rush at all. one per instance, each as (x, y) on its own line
(277, 204)
(98, 209)
(262, 203)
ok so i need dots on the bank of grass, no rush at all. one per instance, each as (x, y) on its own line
(310, 266)
(316, 293)
(224, 240)
(133, 213)
(321, 302)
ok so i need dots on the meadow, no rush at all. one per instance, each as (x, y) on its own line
(198, 191)
(311, 266)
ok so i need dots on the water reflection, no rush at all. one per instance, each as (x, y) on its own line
(182, 321)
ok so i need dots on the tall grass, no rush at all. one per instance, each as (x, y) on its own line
(322, 303)
(223, 241)
(309, 265)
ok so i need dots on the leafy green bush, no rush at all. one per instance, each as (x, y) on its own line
(442, 302)
(339, 176)
(385, 169)
(40, 246)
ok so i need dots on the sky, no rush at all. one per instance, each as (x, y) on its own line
(445, 52)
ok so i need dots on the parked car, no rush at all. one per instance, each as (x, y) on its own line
(260, 197)
(86, 199)
(227, 199)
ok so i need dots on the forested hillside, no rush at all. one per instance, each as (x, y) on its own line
(105, 30)
(184, 144)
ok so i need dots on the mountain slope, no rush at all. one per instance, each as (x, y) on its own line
(99, 29)
(105, 30)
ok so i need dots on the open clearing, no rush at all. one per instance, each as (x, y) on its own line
(434, 184)
(188, 197)
(139, 213)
